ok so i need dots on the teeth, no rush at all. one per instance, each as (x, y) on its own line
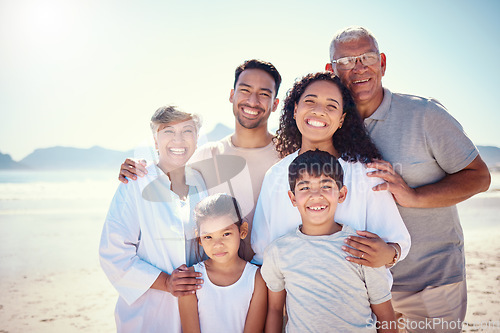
(178, 150)
(317, 207)
(361, 81)
(253, 113)
(316, 123)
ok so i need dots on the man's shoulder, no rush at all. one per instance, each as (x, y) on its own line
(414, 107)
(414, 101)
(207, 150)
(215, 145)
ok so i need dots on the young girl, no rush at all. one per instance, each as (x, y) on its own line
(319, 113)
(234, 295)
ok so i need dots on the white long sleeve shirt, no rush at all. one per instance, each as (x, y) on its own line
(363, 208)
(148, 229)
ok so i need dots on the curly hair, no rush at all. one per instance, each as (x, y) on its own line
(351, 140)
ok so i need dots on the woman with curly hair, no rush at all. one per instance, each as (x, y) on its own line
(319, 113)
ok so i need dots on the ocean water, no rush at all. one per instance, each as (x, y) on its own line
(49, 218)
(51, 221)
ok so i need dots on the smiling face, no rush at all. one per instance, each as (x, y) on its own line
(317, 199)
(253, 98)
(319, 113)
(176, 143)
(220, 237)
(364, 82)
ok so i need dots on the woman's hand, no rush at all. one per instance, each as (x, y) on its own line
(369, 250)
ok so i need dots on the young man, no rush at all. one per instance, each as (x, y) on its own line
(244, 156)
(431, 165)
(307, 270)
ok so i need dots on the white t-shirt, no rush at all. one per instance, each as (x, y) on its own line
(225, 309)
(325, 292)
(363, 208)
(148, 229)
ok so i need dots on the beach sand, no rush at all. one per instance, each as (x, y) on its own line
(51, 281)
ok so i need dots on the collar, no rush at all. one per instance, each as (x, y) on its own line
(383, 110)
(192, 176)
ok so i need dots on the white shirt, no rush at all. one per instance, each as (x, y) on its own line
(148, 229)
(363, 208)
(225, 309)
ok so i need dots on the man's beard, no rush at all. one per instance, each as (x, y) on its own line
(249, 124)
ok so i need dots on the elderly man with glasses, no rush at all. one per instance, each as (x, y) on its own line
(430, 166)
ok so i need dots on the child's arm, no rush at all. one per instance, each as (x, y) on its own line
(256, 317)
(386, 319)
(275, 305)
(188, 310)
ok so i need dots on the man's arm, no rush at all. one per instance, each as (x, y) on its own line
(275, 306)
(386, 319)
(450, 190)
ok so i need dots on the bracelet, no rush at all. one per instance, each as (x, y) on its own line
(396, 256)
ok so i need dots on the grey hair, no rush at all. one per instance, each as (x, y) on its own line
(349, 34)
(170, 114)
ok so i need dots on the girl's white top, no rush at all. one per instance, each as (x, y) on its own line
(224, 309)
(363, 208)
(148, 229)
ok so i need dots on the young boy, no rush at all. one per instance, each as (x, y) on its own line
(307, 267)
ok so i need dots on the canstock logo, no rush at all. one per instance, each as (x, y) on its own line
(216, 171)
(220, 169)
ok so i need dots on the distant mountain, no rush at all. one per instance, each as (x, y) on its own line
(6, 162)
(220, 131)
(75, 158)
(490, 156)
(98, 157)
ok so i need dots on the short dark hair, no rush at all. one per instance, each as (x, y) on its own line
(315, 163)
(262, 65)
(217, 205)
(214, 206)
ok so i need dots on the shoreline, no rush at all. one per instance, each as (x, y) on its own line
(51, 281)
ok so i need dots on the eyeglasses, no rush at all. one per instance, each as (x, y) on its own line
(367, 59)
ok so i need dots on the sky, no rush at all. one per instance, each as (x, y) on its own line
(85, 73)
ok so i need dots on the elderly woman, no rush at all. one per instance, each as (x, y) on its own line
(148, 239)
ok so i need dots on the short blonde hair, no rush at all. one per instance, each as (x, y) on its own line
(170, 114)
